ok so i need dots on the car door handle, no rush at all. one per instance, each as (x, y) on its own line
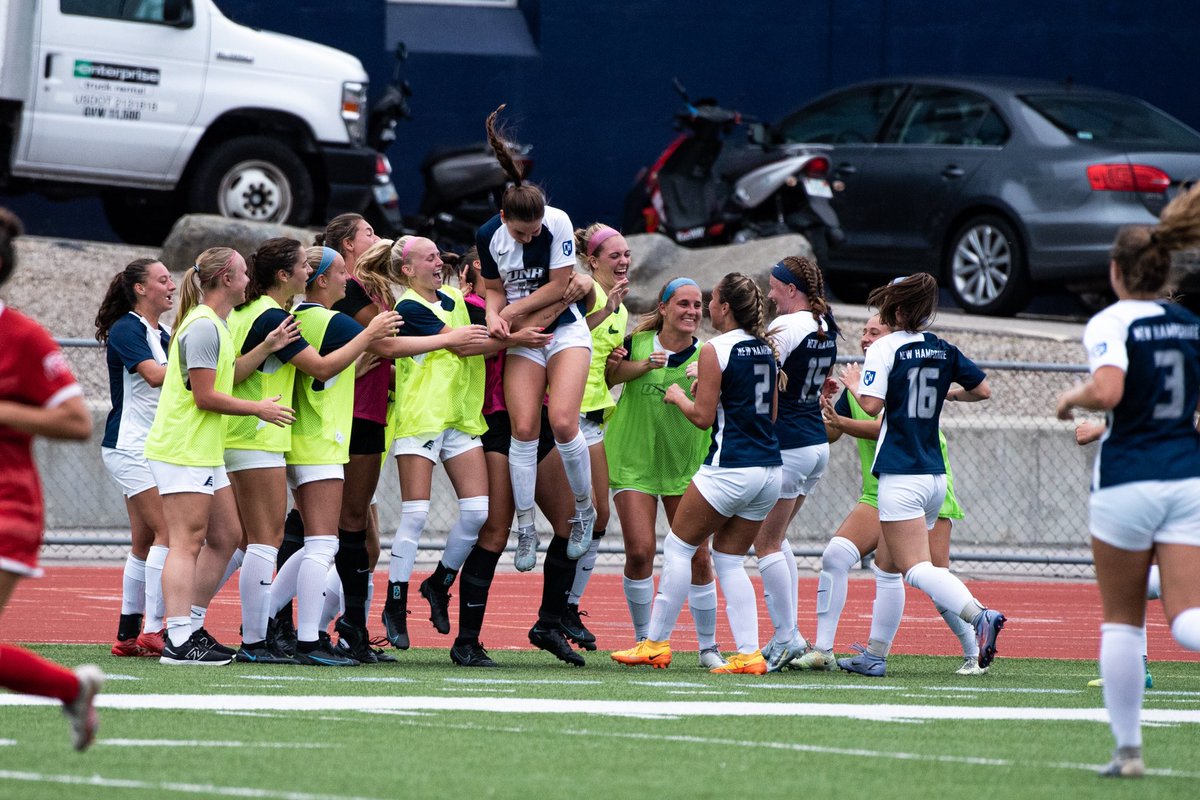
(953, 171)
(846, 169)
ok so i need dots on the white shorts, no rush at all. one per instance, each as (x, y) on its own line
(129, 469)
(903, 497)
(177, 479)
(300, 474)
(238, 460)
(1136, 516)
(445, 446)
(802, 468)
(746, 492)
(593, 432)
(576, 334)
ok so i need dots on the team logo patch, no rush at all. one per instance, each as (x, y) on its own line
(869, 377)
(1100, 349)
(568, 248)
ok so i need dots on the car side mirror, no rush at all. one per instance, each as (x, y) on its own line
(758, 133)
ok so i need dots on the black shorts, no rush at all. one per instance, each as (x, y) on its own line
(367, 438)
(499, 433)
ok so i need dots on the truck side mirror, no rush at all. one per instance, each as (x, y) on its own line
(758, 133)
(178, 13)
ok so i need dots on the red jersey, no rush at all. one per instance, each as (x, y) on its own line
(33, 371)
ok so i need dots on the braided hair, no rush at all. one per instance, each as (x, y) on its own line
(522, 201)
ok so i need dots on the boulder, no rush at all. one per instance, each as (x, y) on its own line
(195, 233)
(657, 259)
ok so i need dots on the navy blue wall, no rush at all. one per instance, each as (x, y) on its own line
(590, 85)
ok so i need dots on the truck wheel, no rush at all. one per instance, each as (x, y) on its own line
(254, 178)
(141, 217)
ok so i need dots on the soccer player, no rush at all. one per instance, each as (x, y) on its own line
(907, 375)
(1144, 356)
(737, 485)
(136, 342)
(805, 337)
(653, 451)
(38, 397)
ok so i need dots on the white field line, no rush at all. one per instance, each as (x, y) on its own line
(617, 708)
(166, 787)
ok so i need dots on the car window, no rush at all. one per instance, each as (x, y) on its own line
(939, 116)
(1112, 119)
(136, 10)
(855, 115)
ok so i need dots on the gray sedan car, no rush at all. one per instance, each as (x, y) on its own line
(995, 185)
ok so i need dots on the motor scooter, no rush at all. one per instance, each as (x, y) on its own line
(702, 192)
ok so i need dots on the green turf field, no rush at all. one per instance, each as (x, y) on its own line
(538, 728)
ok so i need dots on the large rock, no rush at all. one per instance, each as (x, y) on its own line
(195, 233)
(657, 259)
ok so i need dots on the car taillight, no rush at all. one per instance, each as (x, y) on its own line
(1128, 178)
(816, 168)
(382, 166)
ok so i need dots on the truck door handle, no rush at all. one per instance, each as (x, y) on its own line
(49, 65)
(953, 171)
(846, 169)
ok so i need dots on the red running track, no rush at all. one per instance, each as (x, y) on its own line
(80, 605)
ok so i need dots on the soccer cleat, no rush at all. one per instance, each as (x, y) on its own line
(152, 642)
(321, 653)
(574, 629)
(647, 651)
(525, 558)
(743, 664)
(260, 653)
(770, 650)
(580, 538)
(81, 712)
(1096, 683)
(377, 648)
(711, 658)
(281, 635)
(864, 663)
(553, 642)
(987, 628)
(970, 666)
(439, 605)
(816, 660)
(197, 651)
(1149, 677)
(129, 648)
(354, 642)
(784, 654)
(206, 638)
(395, 624)
(471, 654)
(1126, 763)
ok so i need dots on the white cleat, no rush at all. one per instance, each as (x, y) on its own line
(711, 658)
(970, 666)
(816, 660)
(525, 558)
(81, 712)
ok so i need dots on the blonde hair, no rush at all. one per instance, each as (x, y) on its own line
(204, 275)
(374, 271)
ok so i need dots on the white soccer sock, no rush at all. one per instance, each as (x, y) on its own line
(284, 587)
(522, 470)
(578, 466)
(789, 558)
(1124, 680)
(472, 513)
(639, 594)
(198, 615)
(254, 587)
(839, 556)
(962, 629)
(583, 572)
(944, 588)
(1186, 629)
(235, 562)
(335, 603)
(155, 608)
(133, 586)
(741, 606)
(673, 586)
(886, 612)
(179, 630)
(702, 602)
(1154, 583)
(310, 584)
(404, 543)
(777, 592)
(370, 594)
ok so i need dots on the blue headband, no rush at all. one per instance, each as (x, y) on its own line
(328, 254)
(784, 275)
(674, 285)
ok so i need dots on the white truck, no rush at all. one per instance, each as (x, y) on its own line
(163, 107)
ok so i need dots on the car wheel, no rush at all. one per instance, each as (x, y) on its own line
(985, 268)
(254, 178)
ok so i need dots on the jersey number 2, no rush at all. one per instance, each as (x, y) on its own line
(762, 389)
